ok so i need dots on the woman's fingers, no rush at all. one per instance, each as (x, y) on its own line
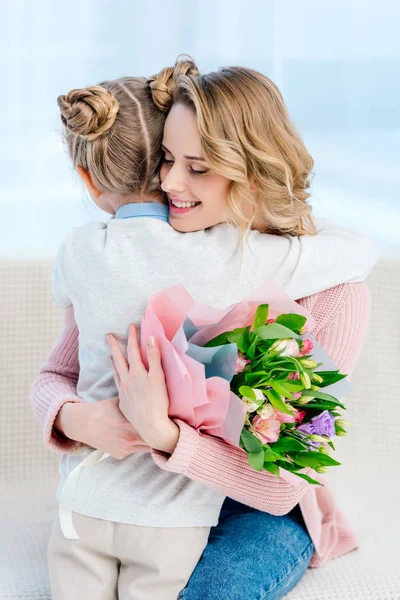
(136, 365)
(117, 378)
(154, 356)
(142, 448)
(120, 363)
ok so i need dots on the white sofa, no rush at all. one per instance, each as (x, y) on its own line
(366, 485)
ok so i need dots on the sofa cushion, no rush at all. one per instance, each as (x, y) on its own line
(25, 527)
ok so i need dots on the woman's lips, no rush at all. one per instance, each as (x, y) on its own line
(180, 211)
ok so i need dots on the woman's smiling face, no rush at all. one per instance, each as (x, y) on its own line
(197, 196)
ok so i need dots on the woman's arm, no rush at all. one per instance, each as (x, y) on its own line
(341, 314)
(68, 422)
(56, 386)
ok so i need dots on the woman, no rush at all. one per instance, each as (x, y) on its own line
(269, 565)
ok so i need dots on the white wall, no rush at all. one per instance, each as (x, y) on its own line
(336, 62)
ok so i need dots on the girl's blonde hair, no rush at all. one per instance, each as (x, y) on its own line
(114, 130)
(247, 137)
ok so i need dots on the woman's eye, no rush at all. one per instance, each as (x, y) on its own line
(168, 161)
(194, 172)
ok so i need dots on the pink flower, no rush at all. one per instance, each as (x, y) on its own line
(294, 375)
(241, 363)
(267, 430)
(306, 347)
(300, 415)
(296, 395)
(285, 418)
(271, 321)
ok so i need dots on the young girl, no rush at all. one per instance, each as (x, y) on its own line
(133, 500)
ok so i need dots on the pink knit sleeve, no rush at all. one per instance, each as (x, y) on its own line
(56, 385)
(342, 315)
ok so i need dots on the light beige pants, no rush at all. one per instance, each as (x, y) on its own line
(114, 561)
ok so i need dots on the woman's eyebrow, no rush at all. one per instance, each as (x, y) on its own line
(189, 157)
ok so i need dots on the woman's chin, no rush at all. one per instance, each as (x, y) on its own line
(183, 226)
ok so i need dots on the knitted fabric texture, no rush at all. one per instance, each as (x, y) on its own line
(341, 315)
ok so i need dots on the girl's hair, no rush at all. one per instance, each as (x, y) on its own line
(114, 130)
(247, 136)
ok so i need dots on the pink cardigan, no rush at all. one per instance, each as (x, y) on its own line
(341, 315)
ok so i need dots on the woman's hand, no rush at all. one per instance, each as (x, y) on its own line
(143, 395)
(100, 425)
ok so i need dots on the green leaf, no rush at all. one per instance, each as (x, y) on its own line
(261, 316)
(281, 389)
(293, 385)
(272, 468)
(277, 402)
(250, 442)
(287, 444)
(274, 331)
(247, 392)
(323, 396)
(256, 460)
(220, 340)
(288, 466)
(314, 459)
(251, 352)
(313, 406)
(240, 337)
(293, 321)
(307, 478)
(257, 378)
(331, 445)
(270, 455)
(329, 377)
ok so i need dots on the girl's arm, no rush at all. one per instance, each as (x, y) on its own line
(56, 385)
(308, 264)
(341, 314)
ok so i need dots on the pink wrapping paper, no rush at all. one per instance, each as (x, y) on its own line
(207, 404)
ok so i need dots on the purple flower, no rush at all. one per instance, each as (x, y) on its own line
(324, 424)
(307, 428)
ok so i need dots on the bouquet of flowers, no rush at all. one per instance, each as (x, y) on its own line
(248, 375)
(290, 423)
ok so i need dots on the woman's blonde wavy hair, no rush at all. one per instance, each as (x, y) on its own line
(247, 137)
(114, 130)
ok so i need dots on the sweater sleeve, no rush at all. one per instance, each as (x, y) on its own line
(341, 315)
(308, 264)
(56, 385)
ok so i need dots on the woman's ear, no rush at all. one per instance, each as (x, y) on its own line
(87, 180)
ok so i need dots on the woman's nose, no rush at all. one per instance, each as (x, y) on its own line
(173, 181)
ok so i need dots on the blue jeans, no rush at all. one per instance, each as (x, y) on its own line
(251, 555)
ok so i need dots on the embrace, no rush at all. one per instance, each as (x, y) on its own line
(207, 183)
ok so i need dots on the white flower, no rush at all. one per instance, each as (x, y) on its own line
(259, 395)
(288, 346)
(251, 404)
(266, 412)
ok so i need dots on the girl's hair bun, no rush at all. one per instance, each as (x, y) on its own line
(163, 84)
(88, 112)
